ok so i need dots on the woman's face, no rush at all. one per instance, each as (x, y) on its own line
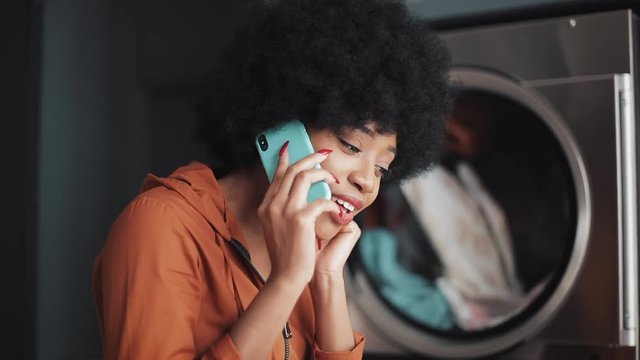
(359, 160)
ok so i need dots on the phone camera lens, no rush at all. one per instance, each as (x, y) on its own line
(262, 141)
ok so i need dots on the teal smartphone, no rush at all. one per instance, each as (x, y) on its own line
(269, 143)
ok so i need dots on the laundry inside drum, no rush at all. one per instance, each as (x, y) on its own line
(478, 244)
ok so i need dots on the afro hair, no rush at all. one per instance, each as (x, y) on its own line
(331, 64)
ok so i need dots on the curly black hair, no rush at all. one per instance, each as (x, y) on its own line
(332, 64)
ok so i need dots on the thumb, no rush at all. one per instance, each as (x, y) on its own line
(346, 239)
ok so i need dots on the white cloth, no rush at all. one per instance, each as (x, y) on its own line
(470, 234)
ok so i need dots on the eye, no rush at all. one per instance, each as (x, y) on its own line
(349, 147)
(382, 172)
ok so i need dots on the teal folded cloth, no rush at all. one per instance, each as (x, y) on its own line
(409, 293)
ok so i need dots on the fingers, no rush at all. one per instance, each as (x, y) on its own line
(265, 209)
(351, 227)
(289, 189)
(348, 234)
(338, 248)
(318, 207)
(300, 189)
(283, 162)
(290, 175)
(302, 173)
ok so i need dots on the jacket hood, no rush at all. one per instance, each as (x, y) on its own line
(198, 186)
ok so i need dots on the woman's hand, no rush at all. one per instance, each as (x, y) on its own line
(288, 222)
(333, 325)
(333, 255)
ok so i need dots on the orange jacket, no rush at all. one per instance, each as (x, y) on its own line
(168, 285)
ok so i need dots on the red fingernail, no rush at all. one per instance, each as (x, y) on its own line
(325, 151)
(319, 243)
(335, 178)
(284, 148)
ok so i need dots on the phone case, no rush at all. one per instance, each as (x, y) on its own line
(299, 147)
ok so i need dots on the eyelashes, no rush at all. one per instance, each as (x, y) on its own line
(348, 146)
(384, 172)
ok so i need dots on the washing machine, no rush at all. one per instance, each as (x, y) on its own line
(522, 242)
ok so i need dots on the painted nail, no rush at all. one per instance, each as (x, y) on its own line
(284, 148)
(335, 178)
(325, 151)
(319, 243)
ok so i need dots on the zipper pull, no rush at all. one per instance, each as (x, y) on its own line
(286, 333)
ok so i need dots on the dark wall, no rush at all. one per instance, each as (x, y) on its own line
(19, 49)
(119, 79)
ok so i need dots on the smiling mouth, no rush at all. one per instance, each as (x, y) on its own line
(349, 208)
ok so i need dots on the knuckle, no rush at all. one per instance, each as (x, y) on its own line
(299, 219)
(294, 168)
(304, 176)
(272, 212)
(300, 166)
(262, 210)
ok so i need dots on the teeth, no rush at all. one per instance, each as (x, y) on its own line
(345, 204)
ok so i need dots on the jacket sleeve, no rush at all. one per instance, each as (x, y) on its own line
(147, 287)
(354, 354)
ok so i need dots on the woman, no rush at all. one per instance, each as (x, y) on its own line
(182, 272)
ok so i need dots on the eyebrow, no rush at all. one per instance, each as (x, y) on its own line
(370, 133)
(366, 130)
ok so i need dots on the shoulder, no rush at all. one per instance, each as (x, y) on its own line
(160, 206)
(155, 222)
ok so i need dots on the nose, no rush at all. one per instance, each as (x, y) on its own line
(364, 179)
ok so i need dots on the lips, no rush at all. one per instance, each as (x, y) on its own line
(348, 208)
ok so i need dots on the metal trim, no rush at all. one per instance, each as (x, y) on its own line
(627, 206)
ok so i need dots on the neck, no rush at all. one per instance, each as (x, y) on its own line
(244, 192)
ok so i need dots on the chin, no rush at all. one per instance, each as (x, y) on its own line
(326, 228)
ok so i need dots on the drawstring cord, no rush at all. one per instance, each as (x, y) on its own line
(246, 257)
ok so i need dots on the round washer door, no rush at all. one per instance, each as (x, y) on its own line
(480, 253)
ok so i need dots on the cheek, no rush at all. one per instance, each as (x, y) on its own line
(321, 140)
(336, 163)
